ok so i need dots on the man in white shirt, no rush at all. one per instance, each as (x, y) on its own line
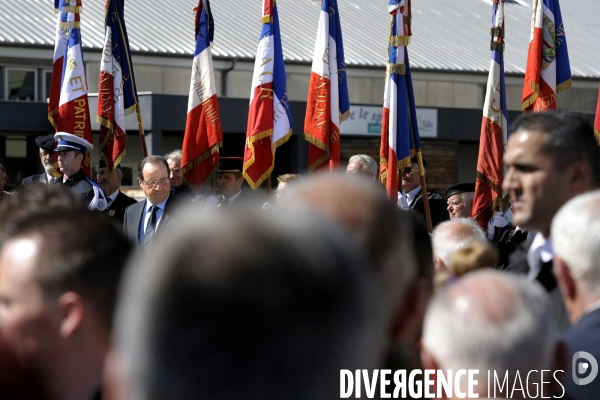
(110, 182)
(550, 158)
(145, 219)
(230, 182)
(46, 153)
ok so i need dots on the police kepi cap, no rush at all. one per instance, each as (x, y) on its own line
(464, 187)
(68, 142)
(45, 142)
(231, 164)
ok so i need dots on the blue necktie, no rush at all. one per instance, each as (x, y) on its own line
(151, 227)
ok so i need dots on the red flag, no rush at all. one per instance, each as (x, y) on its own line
(597, 121)
(269, 118)
(116, 77)
(328, 103)
(203, 134)
(548, 71)
(494, 128)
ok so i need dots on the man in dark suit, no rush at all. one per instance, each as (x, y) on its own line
(46, 146)
(230, 182)
(110, 183)
(411, 196)
(576, 234)
(146, 219)
(551, 157)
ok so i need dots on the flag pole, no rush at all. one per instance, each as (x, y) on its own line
(141, 128)
(269, 185)
(424, 191)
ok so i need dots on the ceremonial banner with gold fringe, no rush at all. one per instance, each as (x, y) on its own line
(73, 108)
(494, 128)
(548, 71)
(117, 94)
(328, 104)
(203, 133)
(399, 132)
(269, 117)
(597, 120)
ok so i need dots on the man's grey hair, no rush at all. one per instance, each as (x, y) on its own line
(367, 164)
(488, 320)
(450, 236)
(576, 239)
(468, 197)
(173, 155)
(246, 295)
(3, 170)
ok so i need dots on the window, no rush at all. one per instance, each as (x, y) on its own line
(47, 80)
(21, 84)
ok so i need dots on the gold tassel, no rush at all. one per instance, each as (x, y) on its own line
(399, 69)
(398, 41)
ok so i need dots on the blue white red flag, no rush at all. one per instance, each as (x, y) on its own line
(269, 117)
(117, 94)
(548, 70)
(399, 132)
(203, 133)
(73, 108)
(494, 128)
(60, 45)
(328, 103)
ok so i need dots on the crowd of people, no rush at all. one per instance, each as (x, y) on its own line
(194, 295)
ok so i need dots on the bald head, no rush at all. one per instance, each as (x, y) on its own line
(361, 209)
(490, 321)
(453, 235)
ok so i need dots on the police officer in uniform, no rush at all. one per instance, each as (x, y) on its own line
(71, 153)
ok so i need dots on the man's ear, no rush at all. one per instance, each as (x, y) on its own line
(72, 311)
(563, 278)
(580, 176)
(139, 181)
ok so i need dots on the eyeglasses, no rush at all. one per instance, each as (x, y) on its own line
(407, 171)
(156, 184)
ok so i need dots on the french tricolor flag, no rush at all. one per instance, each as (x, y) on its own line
(399, 131)
(494, 128)
(73, 107)
(60, 45)
(269, 117)
(117, 94)
(328, 104)
(548, 71)
(203, 133)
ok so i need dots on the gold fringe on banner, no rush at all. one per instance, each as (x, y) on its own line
(497, 31)
(597, 134)
(267, 19)
(564, 86)
(398, 41)
(496, 46)
(72, 9)
(344, 116)
(321, 145)
(399, 69)
(70, 24)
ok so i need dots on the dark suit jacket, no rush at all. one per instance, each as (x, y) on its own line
(4, 194)
(117, 208)
(437, 207)
(517, 262)
(133, 218)
(583, 336)
(30, 180)
(242, 199)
